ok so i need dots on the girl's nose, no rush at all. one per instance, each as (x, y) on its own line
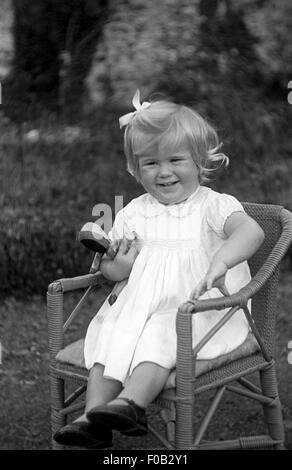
(165, 169)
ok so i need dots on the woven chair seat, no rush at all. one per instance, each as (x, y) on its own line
(73, 355)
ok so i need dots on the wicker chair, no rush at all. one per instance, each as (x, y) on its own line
(177, 403)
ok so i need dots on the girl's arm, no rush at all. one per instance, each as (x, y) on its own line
(245, 237)
(120, 267)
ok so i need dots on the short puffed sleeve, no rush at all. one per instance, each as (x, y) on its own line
(219, 209)
(121, 227)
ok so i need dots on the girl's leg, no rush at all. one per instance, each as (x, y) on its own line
(100, 390)
(80, 433)
(145, 383)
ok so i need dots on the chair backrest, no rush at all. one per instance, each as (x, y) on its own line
(264, 303)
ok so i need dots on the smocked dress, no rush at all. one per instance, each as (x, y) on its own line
(176, 244)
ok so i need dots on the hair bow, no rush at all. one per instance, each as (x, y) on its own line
(126, 118)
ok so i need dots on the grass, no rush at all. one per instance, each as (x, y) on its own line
(25, 395)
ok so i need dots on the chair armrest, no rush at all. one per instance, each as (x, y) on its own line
(233, 302)
(74, 283)
(241, 297)
(55, 307)
(238, 299)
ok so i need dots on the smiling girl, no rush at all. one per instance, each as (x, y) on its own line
(180, 240)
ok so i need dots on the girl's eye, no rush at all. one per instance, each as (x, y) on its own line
(149, 163)
(176, 160)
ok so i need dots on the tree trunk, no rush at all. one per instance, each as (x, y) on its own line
(54, 42)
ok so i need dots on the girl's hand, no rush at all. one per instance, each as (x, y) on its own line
(95, 263)
(215, 277)
(111, 252)
(125, 257)
(118, 266)
(113, 248)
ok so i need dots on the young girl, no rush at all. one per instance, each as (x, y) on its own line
(179, 240)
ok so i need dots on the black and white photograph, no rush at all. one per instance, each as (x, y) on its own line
(146, 228)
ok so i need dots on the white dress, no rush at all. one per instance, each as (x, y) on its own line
(176, 243)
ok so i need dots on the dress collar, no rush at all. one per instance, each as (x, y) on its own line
(154, 208)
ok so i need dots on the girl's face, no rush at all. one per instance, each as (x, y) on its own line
(170, 178)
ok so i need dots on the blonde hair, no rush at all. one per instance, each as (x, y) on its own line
(169, 126)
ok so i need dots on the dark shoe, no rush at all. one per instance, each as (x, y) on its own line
(129, 419)
(84, 435)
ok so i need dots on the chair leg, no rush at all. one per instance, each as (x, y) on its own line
(273, 411)
(57, 403)
(184, 426)
(168, 416)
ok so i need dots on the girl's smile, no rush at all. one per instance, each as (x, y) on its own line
(169, 178)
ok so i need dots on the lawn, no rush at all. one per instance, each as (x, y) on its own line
(25, 394)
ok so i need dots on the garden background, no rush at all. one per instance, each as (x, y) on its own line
(68, 70)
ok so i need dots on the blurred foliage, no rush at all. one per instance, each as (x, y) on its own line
(242, 45)
(54, 167)
(185, 44)
(270, 22)
(50, 180)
